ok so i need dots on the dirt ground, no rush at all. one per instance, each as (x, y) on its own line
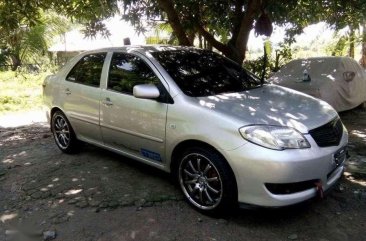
(98, 195)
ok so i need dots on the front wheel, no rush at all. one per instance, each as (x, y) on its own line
(207, 181)
(63, 133)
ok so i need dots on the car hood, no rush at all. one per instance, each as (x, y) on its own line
(272, 105)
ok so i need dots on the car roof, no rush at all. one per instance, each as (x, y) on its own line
(142, 48)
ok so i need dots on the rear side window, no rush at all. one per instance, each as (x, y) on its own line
(88, 70)
(127, 70)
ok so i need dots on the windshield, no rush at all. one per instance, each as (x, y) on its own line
(203, 73)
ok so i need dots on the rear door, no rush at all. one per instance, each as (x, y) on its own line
(134, 126)
(81, 90)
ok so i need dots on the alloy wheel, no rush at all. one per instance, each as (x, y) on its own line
(200, 181)
(61, 131)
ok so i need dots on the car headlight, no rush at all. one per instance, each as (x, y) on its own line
(274, 137)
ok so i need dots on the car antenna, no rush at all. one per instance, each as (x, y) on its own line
(265, 60)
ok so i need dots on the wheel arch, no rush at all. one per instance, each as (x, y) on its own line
(53, 110)
(193, 143)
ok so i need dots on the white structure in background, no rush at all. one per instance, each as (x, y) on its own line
(74, 42)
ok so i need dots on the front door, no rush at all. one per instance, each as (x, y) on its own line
(134, 126)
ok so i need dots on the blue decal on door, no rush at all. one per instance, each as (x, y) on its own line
(151, 155)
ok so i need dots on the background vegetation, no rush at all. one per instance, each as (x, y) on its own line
(20, 90)
(27, 29)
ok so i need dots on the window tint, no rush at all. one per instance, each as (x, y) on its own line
(88, 70)
(127, 70)
(203, 73)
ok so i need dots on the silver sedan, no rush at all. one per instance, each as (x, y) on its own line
(225, 137)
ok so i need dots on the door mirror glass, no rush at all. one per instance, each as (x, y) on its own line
(349, 76)
(146, 91)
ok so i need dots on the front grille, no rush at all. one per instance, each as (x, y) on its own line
(329, 134)
(289, 188)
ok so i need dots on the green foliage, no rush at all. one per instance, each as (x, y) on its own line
(340, 44)
(340, 47)
(283, 55)
(4, 55)
(275, 61)
(224, 24)
(20, 90)
(26, 30)
(156, 40)
(160, 29)
(268, 47)
(340, 13)
(256, 66)
(223, 19)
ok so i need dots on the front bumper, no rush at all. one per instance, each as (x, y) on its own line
(255, 167)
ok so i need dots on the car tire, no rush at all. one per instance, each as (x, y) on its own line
(207, 181)
(63, 133)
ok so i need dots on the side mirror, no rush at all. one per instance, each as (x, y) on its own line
(348, 76)
(146, 91)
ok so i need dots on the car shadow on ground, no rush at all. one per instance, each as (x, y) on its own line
(36, 177)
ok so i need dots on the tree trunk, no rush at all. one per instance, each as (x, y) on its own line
(200, 41)
(351, 51)
(363, 57)
(168, 7)
(212, 42)
(191, 36)
(236, 47)
(16, 61)
(246, 26)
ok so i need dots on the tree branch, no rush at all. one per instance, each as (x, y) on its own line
(168, 7)
(211, 39)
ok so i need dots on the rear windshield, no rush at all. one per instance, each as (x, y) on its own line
(203, 73)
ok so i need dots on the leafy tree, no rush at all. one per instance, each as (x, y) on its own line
(90, 13)
(15, 18)
(352, 14)
(339, 46)
(363, 57)
(264, 68)
(26, 30)
(224, 24)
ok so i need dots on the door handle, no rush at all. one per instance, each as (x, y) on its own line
(67, 91)
(107, 102)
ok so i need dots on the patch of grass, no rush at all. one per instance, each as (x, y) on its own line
(20, 91)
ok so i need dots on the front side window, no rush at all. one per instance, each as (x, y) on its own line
(88, 70)
(204, 73)
(127, 70)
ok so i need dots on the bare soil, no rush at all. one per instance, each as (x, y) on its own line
(98, 195)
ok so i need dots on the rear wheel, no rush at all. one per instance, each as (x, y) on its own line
(63, 133)
(207, 181)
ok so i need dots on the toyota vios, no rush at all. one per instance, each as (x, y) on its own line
(225, 137)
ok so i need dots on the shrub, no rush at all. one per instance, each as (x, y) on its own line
(20, 90)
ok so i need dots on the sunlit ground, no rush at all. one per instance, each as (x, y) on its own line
(16, 119)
